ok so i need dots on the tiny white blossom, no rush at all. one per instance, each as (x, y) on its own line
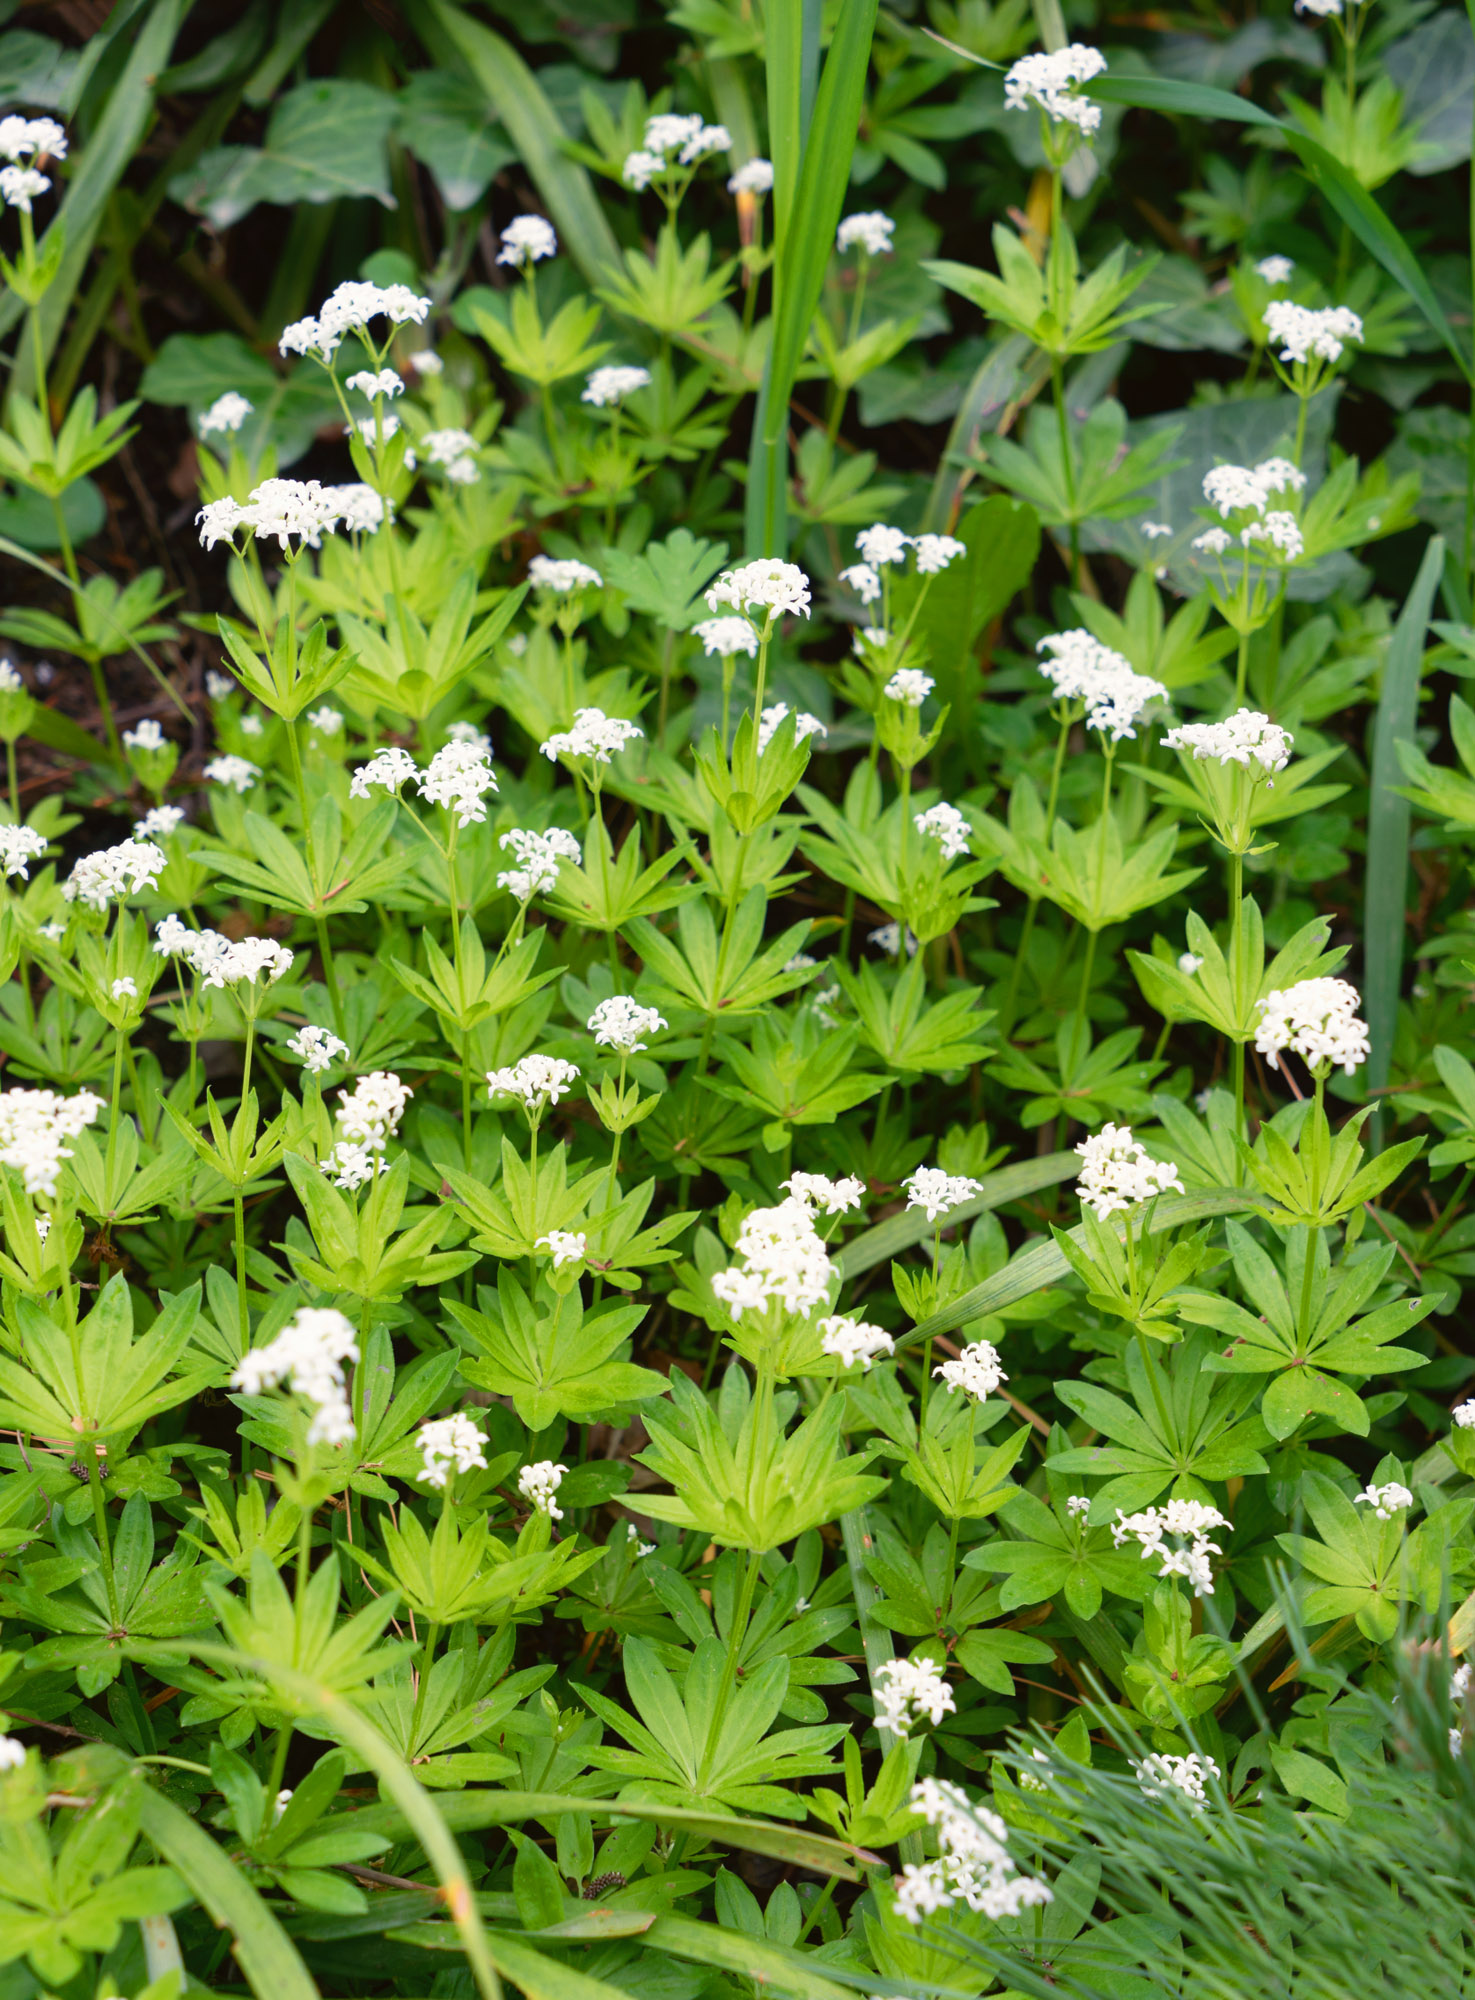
(1162, 1775)
(12, 1754)
(564, 1246)
(1464, 1415)
(908, 1690)
(317, 1049)
(947, 826)
(458, 779)
(125, 988)
(34, 1125)
(1051, 82)
(325, 721)
(1385, 1501)
(308, 1354)
(863, 580)
(774, 588)
(887, 938)
(377, 382)
(805, 725)
(538, 1483)
(447, 1442)
(752, 177)
(237, 774)
(977, 1371)
(594, 735)
(870, 231)
(19, 847)
(24, 138)
(936, 1192)
(726, 637)
(909, 686)
(1275, 270)
(1189, 963)
(369, 1114)
(1154, 531)
(1181, 1522)
(852, 1340)
(834, 1197)
(881, 546)
(785, 1259)
(620, 1022)
(1305, 333)
(935, 552)
(526, 240)
(454, 451)
(562, 577)
(1316, 1019)
(535, 1081)
(1246, 738)
(226, 413)
(114, 873)
(538, 856)
(390, 769)
(1116, 1172)
(20, 186)
(611, 384)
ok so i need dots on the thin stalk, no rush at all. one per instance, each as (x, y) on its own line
(1242, 670)
(1303, 1321)
(117, 1117)
(104, 1539)
(1149, 1361)
(432, 1634)
(243, 1318)
(735, 1640)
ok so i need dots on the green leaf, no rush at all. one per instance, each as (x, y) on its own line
(326, 139)
(444, 122)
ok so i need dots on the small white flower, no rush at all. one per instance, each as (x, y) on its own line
(565, 1246)
(1316, 1019)
(1188, 963)
(325, 721)
(1181, 1522)
(595, 736)
(535, 1081)
(448, 1442)
(458, 779)
(726, 637)
(909, 686)
(977, 1371)
(935, 552)
(33, 1127)
(308, 1354)
(20, 186)
(12, 1754)
(390, 769)
(1051, 82)
(1077, 1505)
(1247, 738)
(641, 168)
(125, 988)
(538, 856)
(425, 361)
(538, 1483)
(317, 1049)
(360, 509)
(146, 735)
(880, 546)
(24, 138)
(887, 938)
(1213, 542)
(350, 1166)
(834, 1197)
(219, 687)
(752, 177)
(369, 1114)
(620, 1022)
(1116, 1172)
(19, 847)
(786, 1261)
(381, 382)
(226, 413)
(1464, 1415)
(251, 725)
(1275, 270)
(454, 451)
(237, 774)
(1154, 531)
(947, 826)
(852, 1340)
(526, 241)
(612, 384)
(114, 873)
(908, 1690)
(870, 231)
(1161, 1775)
(936, 1192)
(562, 577)
(1304, 333)
(774, 588)
(863, 580)
(241, 961)
(1385, 1501)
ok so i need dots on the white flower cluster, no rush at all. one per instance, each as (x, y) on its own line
(390, 768)
(19, 186)
(834, 1197)
(1186, 1522)
(805, 725)
(689, 137)
(773, 588)
(563, 575)
(1317, 1020)
(454, 451)
(977, 1371)
(1161, 1776)
(222, 961)
(309, 1354)
(278, 510)
(24, 138)
(1081, 669)
(936, 1192)
(226, 413)
(538, 856)
(237, 774)
(870, 232)
(1246, 738)
(852, 1340)
(612, 383)
(974, 1866)
(909, 687)
(349, 310)
(1385, 1501)
(534, 1082)
(1280, 531)
(458, 778)
(947, 826)
(1306, 333)
(620, 1022)
(373, 382)
(594, 735)
(369, 1114)
(114, 873)
(1275, 270)
(539, 1482)
(786, 1260)
(752, 177)
(317, 1049)
(906, 1690)
(725, 637)
(19, 847)
(527, 240)
(887, 938)
(447, 1443)
(1052, 82)
(158, 823)
(1464, 1415)
(34, 1128)
(1237, 489)
(1116, 1172)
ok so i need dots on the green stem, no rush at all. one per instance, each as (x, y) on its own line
(243, 1317)
(117, 1117)
(1149, 1361)
(432, 1634)
(1303, 1322)
(735, 1640)
(1242, 670)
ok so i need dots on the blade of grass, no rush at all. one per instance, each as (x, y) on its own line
(804, 239)
(459, 43)
(264, 1952)
(96, 171)
(1388, 817)
(899, 1232)
(470, 1812)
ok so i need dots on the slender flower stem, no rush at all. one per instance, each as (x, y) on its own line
(104, 1538)
(422, 1684)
